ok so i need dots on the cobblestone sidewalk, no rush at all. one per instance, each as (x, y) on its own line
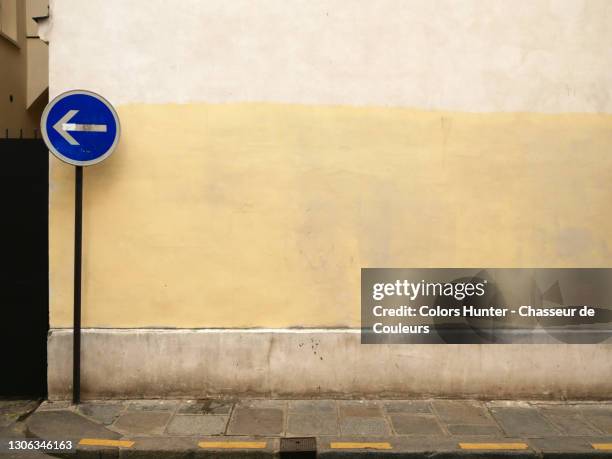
(348, 428)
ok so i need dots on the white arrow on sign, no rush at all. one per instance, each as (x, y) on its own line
(63, 127)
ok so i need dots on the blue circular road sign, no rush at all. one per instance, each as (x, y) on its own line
(80, 127)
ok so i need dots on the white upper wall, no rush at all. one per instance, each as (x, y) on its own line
(469, 55)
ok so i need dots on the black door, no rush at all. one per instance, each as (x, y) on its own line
(24, 282)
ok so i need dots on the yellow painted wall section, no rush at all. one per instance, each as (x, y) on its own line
(261, 215)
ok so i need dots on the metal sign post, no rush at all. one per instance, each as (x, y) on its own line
(78, 246)
(80, 128)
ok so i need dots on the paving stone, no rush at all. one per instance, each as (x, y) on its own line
(305, 424)
(568, 419)
(311, 406)
(364, 426)
(424, 444)
(462, 412)
(17, 407)
(563, 444)
(193, 424)
(16, 430)
(407, 406)
(523, 422)
(12, 431)
(256, 421)
(359, 408)
(55, 425)
(103, 412)
(206, 407)
(415, 424)
(51, 405)
(12, 411)
(461, 429)
(142, 422)
(466, 429)
(599, 416)
(262, 403)
(153, 405)
(362, 417)
(7, 420)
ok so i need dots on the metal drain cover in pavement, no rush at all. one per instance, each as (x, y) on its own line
(299, 447)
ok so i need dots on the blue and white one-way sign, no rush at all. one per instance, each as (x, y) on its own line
(80, 127)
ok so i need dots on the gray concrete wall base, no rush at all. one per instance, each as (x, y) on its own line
(152, 363)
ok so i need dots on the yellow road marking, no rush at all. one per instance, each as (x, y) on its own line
(602, 446)
(359, 445)
(519, 445)
(106, 442)
(233, 444)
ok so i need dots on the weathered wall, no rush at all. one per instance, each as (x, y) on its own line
(317, 363)
(23, 74)
(474, 55)
(271, 150)
(13, 94)
(243, 215)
